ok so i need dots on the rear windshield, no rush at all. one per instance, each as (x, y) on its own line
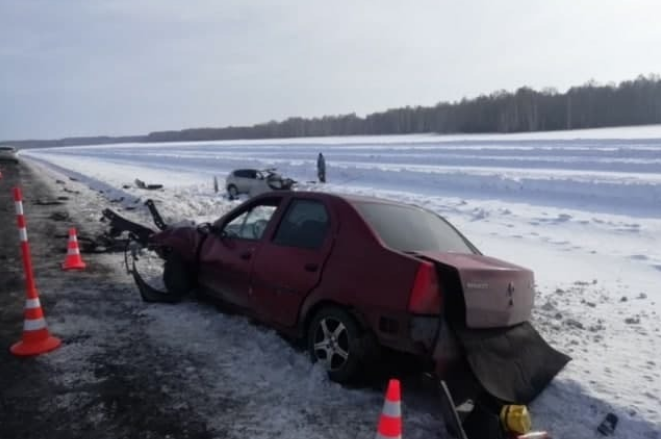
(406, 228)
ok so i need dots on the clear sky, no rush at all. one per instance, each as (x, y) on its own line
(91, 67)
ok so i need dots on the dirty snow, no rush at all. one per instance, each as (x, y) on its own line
(582, 209)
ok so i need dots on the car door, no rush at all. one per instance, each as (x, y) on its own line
(227, 255)
(247, 180)
(289, 265)
(240, 179)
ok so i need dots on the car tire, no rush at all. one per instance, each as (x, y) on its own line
(177, 275)
(232, 192)
(351, 338)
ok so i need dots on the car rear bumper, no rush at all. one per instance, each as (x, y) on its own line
(512, 364)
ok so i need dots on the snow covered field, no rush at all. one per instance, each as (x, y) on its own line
(582, 209)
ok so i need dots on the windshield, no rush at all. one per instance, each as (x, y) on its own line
(408, 228)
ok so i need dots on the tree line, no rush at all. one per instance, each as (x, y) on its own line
(592, 105)
(634, 102)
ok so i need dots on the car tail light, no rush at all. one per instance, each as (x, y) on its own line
(426, 294)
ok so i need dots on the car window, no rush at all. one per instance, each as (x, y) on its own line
(251, 224)
(245, 173)
(305, 225)
(408, 228)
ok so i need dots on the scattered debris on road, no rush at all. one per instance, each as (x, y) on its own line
(142, 185)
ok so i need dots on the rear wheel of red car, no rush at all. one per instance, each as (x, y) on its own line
(336, 340)
(177, 275)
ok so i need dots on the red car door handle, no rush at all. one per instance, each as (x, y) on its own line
(245, 255)
(312, 267)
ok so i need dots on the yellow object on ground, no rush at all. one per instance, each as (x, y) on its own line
(516, 419)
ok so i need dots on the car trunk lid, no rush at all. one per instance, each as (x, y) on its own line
(495, 293)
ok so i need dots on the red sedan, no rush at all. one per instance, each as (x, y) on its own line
(352, 274)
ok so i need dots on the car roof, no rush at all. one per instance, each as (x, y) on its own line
(350, 198)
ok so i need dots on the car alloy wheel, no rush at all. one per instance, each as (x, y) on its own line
(337, 340)
(331, 343)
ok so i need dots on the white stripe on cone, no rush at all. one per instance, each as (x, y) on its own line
(23, 234)
(34, 324)
(391, 409)
(32, 303)
(73, 251)
(19, 207)
(73, 238)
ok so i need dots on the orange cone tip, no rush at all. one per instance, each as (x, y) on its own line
(73, 260)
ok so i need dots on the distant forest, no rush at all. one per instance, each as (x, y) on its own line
(592, 105)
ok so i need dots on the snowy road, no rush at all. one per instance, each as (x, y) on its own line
(584, 213)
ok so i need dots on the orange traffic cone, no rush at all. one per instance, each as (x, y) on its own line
(73, 260)
(36, 338)
(390, 422)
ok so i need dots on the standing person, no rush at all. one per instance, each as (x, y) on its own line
(321, 168)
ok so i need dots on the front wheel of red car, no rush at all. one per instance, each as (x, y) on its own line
(337, 341)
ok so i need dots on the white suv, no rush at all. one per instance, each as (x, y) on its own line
(254, 182)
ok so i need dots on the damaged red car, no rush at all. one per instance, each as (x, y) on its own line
(353, 274)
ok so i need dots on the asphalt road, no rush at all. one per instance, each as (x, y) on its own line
(107, 380)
